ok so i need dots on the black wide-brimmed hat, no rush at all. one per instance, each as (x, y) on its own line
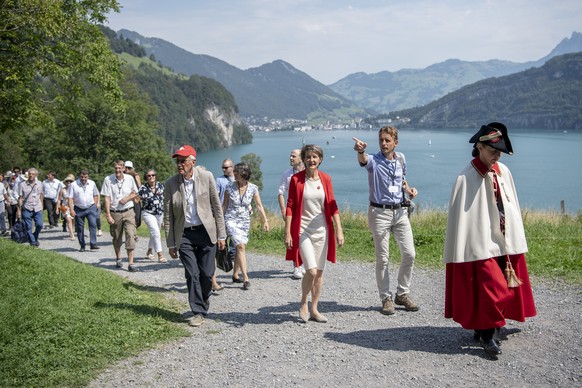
(494, 135)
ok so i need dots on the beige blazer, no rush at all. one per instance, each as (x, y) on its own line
(208, 207)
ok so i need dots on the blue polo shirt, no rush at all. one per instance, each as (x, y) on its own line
(385, 178)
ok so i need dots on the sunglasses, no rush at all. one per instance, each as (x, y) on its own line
(151, 175)
(225, 167)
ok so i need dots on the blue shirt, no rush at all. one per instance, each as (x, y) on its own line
(385, 178)
(221, 183)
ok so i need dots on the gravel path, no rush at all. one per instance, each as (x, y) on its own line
(255, 339)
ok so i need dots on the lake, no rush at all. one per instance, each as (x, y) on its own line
(546, 165)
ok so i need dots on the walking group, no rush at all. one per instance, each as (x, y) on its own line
(487, 280)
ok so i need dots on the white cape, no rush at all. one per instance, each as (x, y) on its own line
(473, 231)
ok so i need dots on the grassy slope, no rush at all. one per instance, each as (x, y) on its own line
(63, 321)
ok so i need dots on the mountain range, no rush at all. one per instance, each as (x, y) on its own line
(279, 90)
(545, 97)
(390, 91)
(276, 90)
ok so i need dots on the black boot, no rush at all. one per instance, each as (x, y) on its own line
(487, 342)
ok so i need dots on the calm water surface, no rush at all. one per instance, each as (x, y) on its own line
(546, 165)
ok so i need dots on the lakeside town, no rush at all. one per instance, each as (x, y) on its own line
(266, 124)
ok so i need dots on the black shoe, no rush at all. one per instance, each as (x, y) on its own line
(237, 280)
(477, 336)
(82, 249)
(246, 285)
(490, 347)
(94, 247)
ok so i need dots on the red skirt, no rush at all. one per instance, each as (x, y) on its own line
(477, 296)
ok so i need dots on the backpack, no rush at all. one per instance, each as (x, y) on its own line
(18, 232)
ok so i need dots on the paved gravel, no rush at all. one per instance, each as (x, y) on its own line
(255, 339)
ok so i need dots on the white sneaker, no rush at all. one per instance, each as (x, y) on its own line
(297, 273)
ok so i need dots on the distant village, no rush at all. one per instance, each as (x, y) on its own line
(266, 124)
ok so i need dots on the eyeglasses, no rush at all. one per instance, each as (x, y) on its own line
(151, 175)
(181, 161)
(225, 167)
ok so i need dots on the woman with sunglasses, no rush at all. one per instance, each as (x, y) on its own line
(238, 197)
(151, 194)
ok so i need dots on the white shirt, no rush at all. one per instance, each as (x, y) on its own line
(192, 218)
(116, 189)
(285, 179)
(51, 188)
(83, 195)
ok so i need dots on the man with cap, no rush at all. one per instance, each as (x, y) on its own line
(486, 273)
(119, 190)
(194, 225)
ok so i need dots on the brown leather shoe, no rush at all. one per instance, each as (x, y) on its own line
(406, 301)
(388, 307)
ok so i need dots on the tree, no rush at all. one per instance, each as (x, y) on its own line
(91, 134)
(254, 161)
(58, 40)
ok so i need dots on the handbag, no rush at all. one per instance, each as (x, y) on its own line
(223, 260)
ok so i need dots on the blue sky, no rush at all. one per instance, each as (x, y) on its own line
(330, 39)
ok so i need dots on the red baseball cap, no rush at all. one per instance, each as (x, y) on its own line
(185, 150)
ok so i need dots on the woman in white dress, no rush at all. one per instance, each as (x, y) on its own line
(238, 196)
(309, 232)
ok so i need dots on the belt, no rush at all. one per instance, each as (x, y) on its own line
(393, 207)
(83, 208)
(120, 211)
(195, 227)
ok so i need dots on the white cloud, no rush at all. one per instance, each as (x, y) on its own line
(330, 39)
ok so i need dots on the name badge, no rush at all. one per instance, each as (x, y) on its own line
(393, 189)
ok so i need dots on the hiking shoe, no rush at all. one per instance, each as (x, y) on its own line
(94, 247)
(132, 268)
(197, 320)
(406, 301)
(297, 273)
(119, 263)
(388, 306)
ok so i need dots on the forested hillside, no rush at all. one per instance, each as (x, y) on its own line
(275, 89)
(549, 97)
(65, 103)
(184, 104)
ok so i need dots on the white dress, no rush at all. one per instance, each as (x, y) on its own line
(237, 218)
(313, 231)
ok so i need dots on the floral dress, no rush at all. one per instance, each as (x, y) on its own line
(237, 217)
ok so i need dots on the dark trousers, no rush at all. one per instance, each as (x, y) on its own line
(98, 217)
(51, 211)
(89, 214)
(197, 255)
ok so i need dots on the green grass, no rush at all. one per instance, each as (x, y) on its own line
(63, 321)
(554, 241)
